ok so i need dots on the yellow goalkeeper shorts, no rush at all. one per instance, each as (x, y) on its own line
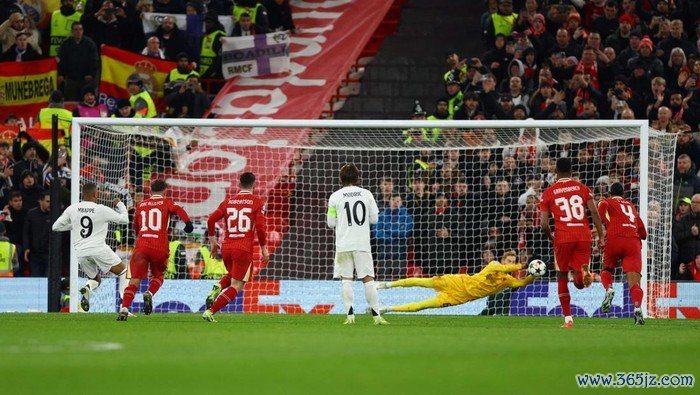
(450, 288)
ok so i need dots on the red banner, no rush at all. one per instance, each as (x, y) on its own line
(331, 35)
(25, 88)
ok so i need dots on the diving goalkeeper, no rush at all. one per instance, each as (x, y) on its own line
(456, 289)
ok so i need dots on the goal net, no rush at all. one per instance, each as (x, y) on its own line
(452, 197)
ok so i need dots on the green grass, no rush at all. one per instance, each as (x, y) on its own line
(311, 354)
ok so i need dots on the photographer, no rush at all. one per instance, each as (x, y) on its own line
(189, 101)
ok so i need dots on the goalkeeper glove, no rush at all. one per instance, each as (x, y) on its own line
(189, 227)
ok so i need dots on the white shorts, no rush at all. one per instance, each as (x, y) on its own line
(91, 262)
(358, 261)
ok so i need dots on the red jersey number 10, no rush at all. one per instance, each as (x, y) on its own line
(238, 220)
(151, 220)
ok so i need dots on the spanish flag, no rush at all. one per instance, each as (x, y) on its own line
(118, 65)
(25, 87)
(9, 133)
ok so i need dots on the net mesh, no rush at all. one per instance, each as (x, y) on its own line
(467, 196)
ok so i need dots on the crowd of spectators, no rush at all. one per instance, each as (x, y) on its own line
(76, 31)
(582, 60)
(25, 179)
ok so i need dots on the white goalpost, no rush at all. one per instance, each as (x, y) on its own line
(467, 191)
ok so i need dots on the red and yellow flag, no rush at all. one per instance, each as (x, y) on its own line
(118, 65)
(25, 88)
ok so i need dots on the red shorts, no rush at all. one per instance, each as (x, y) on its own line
(143, 258)
(625, 249)
(571, 256)
(237, 263)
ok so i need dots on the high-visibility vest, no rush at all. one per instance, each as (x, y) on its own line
(455, 103)
(7, 252)
(150, 110)
(433, 134)
(207, 54)
(61, 29)
(213, 268)
(171, 271)
(65, 118)
(503, 23)
(240, 10)
(175, 75)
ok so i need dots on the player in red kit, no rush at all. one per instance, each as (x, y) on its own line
(151, 222)
(567, 199)
(244, 217)
(625, 232)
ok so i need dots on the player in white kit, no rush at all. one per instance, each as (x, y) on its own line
(88, 223)
(351, 210)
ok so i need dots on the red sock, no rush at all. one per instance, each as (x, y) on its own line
(225, 281)
(637, 294)
(129, 294)
(578, 281)
(564, 296)
(155, 284)
(606, 278)
(225, 298)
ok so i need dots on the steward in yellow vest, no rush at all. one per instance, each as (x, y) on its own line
(65, 117)
(178, 75)
(8, 255)
(257, 12)
(210, 54)
(501, 22)
(140, 99)
(177, 261)
(61, 24)
(213, 268)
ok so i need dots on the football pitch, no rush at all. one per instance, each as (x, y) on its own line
(315, 354)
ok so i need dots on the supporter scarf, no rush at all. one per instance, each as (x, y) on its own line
(591, 70)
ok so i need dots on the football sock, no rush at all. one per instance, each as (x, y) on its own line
(413, 282)
(92, 284)
(224, 299)
(606, 278)
(122, 282)
(372, 297)
(129, 294)
(431, 303)
(578, 281)
(155, 284)
(225, 281)
(348, 295)
(637, 294)
(564, 296)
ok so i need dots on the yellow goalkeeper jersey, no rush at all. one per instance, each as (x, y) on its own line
(495, 277)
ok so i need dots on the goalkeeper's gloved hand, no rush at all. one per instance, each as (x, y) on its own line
(189, 227)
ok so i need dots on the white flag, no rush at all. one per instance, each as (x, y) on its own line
(151, 21)
(251, 56)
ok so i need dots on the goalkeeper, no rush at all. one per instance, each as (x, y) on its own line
(456, 289)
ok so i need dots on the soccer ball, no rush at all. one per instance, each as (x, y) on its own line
(537, 268)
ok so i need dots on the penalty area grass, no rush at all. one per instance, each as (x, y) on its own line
(316, 354)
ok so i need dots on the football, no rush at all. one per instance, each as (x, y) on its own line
(537, 268)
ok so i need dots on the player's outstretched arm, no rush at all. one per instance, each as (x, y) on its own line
(63, 223)
(521, 282)
(603, 211)
(544, 224)
(120, 216)
(641, 229)
(506, 268)
(331, 214)
(183, 216)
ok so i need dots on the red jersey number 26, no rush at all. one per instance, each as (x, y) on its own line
(572, 207)
(238, 220)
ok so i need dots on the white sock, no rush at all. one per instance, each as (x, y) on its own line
(92, 285)
(568, 318)
(123, 283)
(372, 296)
(348, 296)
